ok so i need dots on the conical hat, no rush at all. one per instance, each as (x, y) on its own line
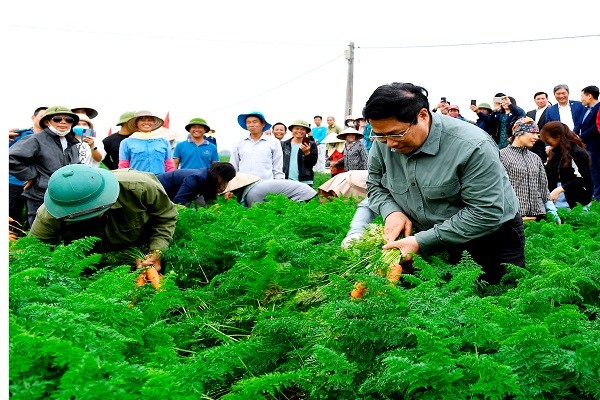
(240, 180)
(332, 138)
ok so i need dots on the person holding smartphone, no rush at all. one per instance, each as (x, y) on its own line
(300, 154)
(442, 106)
(90, 152)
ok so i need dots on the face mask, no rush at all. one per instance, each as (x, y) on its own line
(59, 133)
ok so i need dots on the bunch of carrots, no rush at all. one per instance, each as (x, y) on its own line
(148, 273)
(390, 261)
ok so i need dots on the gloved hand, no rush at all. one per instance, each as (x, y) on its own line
(349, 239)
(551, 208)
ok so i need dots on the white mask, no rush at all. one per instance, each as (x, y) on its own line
(59, 133)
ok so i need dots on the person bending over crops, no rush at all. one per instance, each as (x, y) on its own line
(442, 177)
(123, 207)
(250, 189)
(202, 184)
(568, 165)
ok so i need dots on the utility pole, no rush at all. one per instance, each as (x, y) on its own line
(350, 83)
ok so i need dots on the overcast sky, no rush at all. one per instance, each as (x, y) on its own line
(218, 59)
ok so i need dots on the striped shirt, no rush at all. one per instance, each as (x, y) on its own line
(528, 178)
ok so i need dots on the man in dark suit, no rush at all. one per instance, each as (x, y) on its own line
(569, 112)
(589, 134)
(539, 116)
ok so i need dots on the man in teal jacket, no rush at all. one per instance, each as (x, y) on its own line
(444, 178)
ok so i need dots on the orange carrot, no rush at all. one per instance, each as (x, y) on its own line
(359, 290)
(141, 279)
(154, 277)
(394, 272)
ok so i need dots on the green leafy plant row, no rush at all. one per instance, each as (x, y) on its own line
(255, 304)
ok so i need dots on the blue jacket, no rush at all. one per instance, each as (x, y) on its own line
(22, 133)
(184, 185)
(577, 111)
(589, 130)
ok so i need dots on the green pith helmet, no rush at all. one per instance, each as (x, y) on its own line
(77, 192)
(126, 116)
(58, 110)
(485, 105)
(197, 121)
(300, 122)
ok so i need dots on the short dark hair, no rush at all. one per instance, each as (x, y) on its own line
(499, 94)
(593, 90)
(399, 100)
(37, 110)
(538, 93)
(224, 169)
(317, 116)
(279, 123)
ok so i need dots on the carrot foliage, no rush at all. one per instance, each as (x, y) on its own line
(255, 304)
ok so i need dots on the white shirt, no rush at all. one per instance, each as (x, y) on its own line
(263, 158)
(539, 112)
(85, 154)
(564, 113)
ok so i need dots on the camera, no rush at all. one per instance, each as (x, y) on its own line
(443, 99)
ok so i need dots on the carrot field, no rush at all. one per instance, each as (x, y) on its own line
(255, 303)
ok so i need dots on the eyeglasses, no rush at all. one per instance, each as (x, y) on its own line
(58, 118)
(383, 138)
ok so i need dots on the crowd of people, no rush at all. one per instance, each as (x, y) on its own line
(438, 180)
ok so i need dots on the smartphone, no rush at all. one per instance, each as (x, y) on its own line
(306, 141)
(473, 102)
(443, 99)
(498, 99)
(83, 132)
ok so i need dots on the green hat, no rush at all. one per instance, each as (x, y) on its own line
(126, 116)
(58, 110)
(300, 122)
(197, 121)
(485, 105)
(78, 191)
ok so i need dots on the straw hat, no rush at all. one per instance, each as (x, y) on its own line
(90, 112)
(132, 123)
(332, 139)
(349, 131)
(83, 117)
(240, 180)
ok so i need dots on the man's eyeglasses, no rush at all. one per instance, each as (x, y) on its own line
(384, 138)
(68, 120)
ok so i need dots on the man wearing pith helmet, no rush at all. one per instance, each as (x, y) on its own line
(34, 158)
(300, 153)
(256, 152)
(195, 152)
(123, 208)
